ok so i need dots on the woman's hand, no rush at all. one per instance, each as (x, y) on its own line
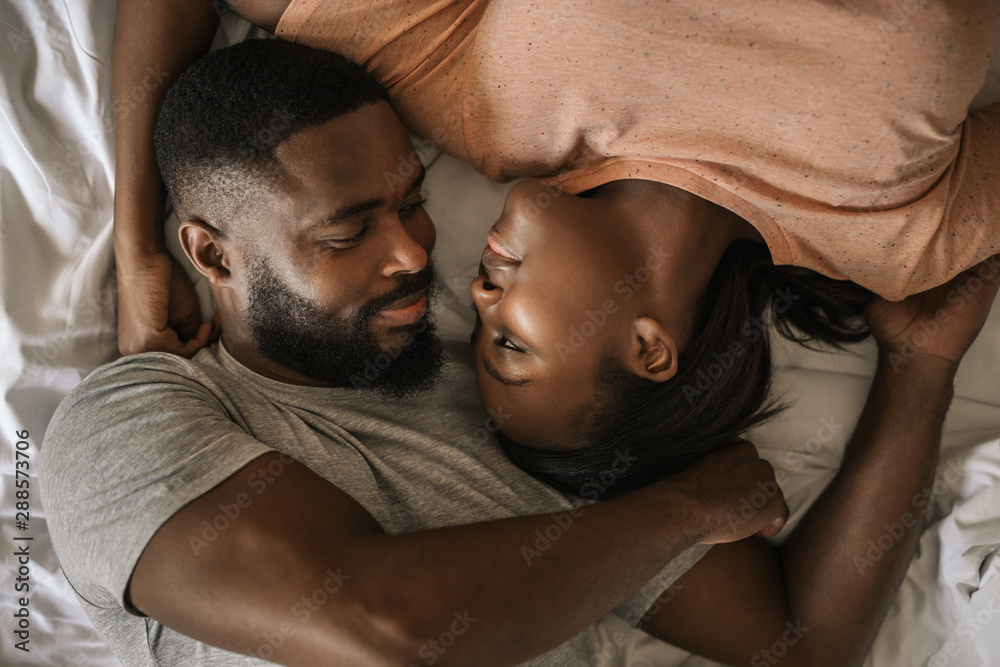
(158, 307)
(938, 325)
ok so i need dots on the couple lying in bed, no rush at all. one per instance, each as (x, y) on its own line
(599, 323)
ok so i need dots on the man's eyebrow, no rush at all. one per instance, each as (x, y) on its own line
(418, 180)
(503, 379)
(349, 211)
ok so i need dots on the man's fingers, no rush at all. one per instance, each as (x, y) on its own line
(746, 497)
(189, 327)
(168, 340)
(775, 526)
(216, 328)
(200, 340)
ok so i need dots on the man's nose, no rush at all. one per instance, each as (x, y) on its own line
(407, 248)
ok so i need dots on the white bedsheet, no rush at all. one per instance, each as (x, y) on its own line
(57, 324)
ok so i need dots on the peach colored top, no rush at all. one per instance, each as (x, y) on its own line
(838, 129)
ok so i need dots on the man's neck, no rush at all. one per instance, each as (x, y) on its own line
(242, 349)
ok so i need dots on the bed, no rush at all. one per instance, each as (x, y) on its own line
(58, 324)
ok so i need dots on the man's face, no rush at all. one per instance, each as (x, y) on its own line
(337, 280)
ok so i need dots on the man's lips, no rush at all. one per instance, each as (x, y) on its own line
(407, 310)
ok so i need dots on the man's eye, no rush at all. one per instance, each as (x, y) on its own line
(352, 239)
(412, 208)
(504, 342)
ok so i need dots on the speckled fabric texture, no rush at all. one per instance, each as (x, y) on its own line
(839, 129)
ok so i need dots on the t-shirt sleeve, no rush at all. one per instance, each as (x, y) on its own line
(975, 204)
(970, 230)
(646, 602)
(133, 444)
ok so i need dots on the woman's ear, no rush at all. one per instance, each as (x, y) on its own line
(652, 353)
(205, 247)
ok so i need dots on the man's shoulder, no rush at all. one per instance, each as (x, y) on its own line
(120, 393)
(128, 376)
(137, 440)
(155, 363)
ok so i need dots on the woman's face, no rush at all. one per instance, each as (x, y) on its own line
(560, 286)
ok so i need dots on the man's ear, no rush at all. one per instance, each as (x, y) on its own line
(652, 352)
(206, 248)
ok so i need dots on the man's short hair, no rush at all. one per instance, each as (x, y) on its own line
(223, 117)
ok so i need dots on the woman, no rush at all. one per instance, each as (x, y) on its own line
(818, 599)
(632, 317)
(839, 131)
(749, 123)
(830, 140)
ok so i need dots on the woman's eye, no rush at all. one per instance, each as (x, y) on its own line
(504, 342)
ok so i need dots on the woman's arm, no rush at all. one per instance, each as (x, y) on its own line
(154, 42)
(820, 599)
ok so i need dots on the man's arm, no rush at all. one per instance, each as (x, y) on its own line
(820, 599)
(154, 43)
(307, 563)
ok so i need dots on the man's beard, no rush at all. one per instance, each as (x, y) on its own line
(343, 351)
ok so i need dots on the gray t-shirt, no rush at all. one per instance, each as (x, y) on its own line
(142, 437)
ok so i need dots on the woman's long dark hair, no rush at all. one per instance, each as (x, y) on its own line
(722, 385)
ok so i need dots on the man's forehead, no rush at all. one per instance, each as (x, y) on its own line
(357, 155)
(354, 206)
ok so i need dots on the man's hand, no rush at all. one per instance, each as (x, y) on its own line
(736, 493)
(158, 307)
(937, 325)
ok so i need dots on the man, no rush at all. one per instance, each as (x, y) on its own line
(253, 501)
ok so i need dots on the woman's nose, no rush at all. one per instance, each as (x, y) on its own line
(529, 200)
(484, 293)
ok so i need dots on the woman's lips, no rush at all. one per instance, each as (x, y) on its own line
(496, 266)
(498, 246)
(497, 259)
